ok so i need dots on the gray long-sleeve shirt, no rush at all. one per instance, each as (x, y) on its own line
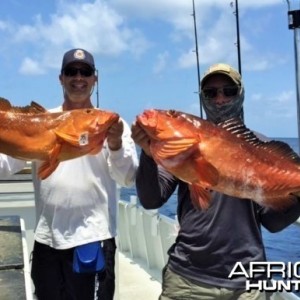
(210, 242)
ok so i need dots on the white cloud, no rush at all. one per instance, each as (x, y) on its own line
(167, 8)
(161, 62)
(187, 60)
(30, 67)
(282, 104)
(94, 26)
(257, 97)
(258, 64)
(112, 29)
(3, 25)
(216, 25)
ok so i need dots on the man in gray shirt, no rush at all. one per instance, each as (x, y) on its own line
(210, 242)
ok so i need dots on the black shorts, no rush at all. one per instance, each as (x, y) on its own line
(54, 279)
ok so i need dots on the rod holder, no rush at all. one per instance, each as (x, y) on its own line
(294, 19)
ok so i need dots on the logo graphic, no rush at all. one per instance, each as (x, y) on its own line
(79, 54)
(84, 139)
(288, 273)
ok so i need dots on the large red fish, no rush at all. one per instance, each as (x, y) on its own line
(227, 158)
(32, 133)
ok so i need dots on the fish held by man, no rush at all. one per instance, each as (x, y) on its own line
(226, 158)
(34, 134)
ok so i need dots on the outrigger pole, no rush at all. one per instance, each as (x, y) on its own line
(197, 57)
(294, 23)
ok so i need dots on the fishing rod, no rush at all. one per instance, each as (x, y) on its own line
(238, 44)
(294, 23)
(97, 89)
(197, 57)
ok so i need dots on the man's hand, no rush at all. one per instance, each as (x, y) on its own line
(114, 135)
(141, 138)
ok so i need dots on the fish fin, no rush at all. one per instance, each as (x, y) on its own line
(73, 139)
(207, 173)
(34, 107)
(282, 150)
(96, 150)
(49, 166)
(4, 104)
(37, 107)
(237, 128)
(173, 147)
(46, 169)
(189, 166)
(200, 196)
(204, 171)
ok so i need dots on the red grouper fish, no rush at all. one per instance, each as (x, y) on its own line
(32, 133)
(227, 158)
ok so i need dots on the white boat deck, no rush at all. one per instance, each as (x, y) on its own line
(135, 282)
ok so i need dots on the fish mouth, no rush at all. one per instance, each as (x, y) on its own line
(148, 118)
(99, 126)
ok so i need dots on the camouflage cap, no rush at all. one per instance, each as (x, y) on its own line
(225, 69)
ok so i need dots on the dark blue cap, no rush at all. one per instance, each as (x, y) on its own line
(78, 55)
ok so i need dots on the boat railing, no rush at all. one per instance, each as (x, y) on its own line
(145, 235)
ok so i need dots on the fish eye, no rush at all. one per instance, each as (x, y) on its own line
(88, 111)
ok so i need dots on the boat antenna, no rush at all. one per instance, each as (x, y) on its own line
(238, 44)
(294, 23)
(197, 57)
(97, 88)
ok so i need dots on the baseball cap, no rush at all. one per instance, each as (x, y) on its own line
(78, 55)
(225, 69)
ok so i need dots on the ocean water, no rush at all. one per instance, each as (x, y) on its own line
(283, 246)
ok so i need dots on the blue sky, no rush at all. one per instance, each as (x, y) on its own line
(145, 54)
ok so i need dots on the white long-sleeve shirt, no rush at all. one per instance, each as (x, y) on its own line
(10, 166)
(77, 203)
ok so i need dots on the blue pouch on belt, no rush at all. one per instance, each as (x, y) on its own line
(88, 258)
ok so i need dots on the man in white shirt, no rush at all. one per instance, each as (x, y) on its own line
(77, 203)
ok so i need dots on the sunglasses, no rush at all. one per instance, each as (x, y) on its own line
(227, 91)
(84, 72)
